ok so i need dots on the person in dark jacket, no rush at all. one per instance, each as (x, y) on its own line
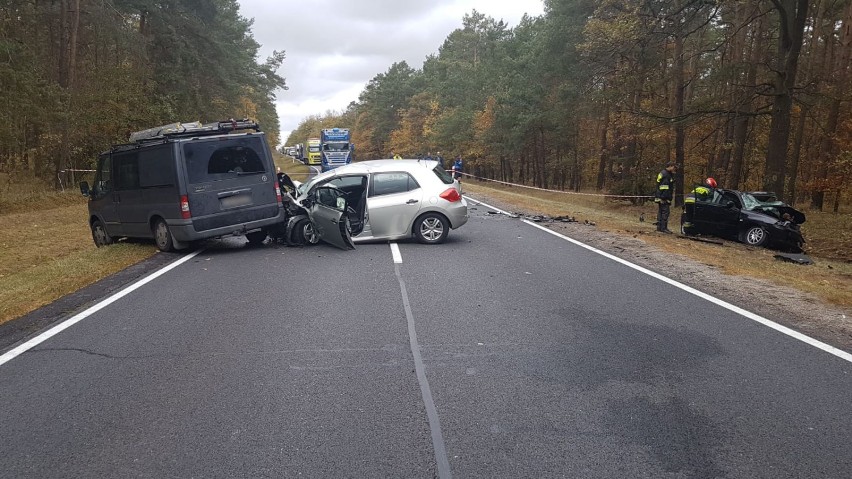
(457, 168)
(699, 193)
(663, 196)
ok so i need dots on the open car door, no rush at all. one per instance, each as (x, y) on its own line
(327, 209)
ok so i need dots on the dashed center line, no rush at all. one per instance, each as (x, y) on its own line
(397, 256)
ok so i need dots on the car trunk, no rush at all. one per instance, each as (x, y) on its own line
(230, 181)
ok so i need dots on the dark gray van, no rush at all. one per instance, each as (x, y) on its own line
(186, 182)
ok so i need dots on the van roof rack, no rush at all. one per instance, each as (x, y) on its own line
(191, 129)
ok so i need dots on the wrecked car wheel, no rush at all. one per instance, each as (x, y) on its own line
(99, 234)
(684, 229)
(431, 228)
(754, 236)
(257, 237)
(304, 233)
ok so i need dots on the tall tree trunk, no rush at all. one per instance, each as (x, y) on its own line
(604, 151)
(745, 106)
(677, 112)
(798, 137)
(839, 86)
(70, 20)
(792, 15)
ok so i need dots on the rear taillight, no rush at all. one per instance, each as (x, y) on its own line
(278, 193)
(451, 194)
(184, 207)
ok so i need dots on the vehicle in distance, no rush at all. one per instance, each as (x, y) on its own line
(312, 152)
(337, 148)
(180, 183)
(740, 216)
(374, 200)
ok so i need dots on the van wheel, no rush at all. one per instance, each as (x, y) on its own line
(100, 235)
(304, 233)
(431, 228)
(257, 237)
(163, 237)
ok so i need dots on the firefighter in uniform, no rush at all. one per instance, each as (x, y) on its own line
(700, 193)
(663, 196)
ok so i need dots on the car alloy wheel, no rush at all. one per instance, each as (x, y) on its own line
(431, 228)
(755, 236)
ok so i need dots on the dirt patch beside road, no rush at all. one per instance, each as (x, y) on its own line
(782, 304)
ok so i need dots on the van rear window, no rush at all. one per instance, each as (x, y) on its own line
(223, 158)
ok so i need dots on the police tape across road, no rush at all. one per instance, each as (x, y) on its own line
(552, 191)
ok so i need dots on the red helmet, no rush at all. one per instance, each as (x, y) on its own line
(710, 182)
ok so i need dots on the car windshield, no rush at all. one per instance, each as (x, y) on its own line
(306, 186)
(750, 202)
(336, 146)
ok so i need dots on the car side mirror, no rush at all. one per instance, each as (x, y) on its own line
(84, 188)
(730, 204)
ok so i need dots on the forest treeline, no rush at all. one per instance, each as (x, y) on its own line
(599, 94)
(78, 75)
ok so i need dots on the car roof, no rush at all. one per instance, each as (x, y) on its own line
(378, 166)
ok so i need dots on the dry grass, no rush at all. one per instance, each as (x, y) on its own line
(828, 238)
(47, 252)
(296, 169)
(46, 248)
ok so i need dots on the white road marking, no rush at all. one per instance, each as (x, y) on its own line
(397, 256)
(441, 459)
(488, 206)
(736, 309)
(26, 346)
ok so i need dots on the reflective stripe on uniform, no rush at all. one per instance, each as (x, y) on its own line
(664, 187)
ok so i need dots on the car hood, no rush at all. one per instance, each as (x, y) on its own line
(778, 208)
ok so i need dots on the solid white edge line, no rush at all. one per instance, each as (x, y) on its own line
(397, 256)
(489, 206)
(736, 309)
(33, 342)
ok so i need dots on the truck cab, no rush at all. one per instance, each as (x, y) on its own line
(337, 148)
(313, 153)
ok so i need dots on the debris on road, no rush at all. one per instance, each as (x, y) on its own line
(794, 258)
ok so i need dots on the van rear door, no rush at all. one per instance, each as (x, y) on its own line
(231, 181)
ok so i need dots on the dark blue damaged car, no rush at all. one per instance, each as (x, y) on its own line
(741, 216)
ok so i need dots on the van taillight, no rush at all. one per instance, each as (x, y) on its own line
(451, 195)
(278, 193)
(184, 207)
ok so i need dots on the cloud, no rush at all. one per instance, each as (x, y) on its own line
(334, 48)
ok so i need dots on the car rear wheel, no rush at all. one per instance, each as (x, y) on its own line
(257, 237)
(304, 233)
(163, 237)
(686, 230)
(100, 235)
(431, 228)
(754, 236)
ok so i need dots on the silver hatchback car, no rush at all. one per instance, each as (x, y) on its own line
(378, 200)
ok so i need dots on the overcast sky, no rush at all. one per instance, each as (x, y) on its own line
(335, 47)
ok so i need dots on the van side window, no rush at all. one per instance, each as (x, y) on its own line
(103, 177)
(126, 170)
(157, 167)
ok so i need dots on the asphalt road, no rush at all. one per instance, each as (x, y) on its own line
(505, 352)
